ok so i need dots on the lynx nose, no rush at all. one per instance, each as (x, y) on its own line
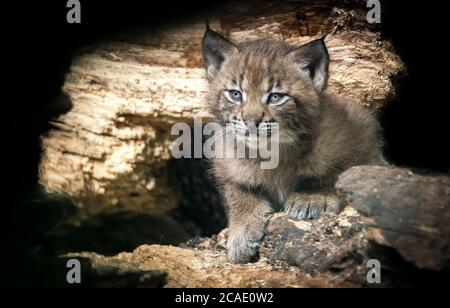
(252, 123)
(252, 119)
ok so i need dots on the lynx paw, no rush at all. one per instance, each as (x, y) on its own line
(310, 206)
(243, 245)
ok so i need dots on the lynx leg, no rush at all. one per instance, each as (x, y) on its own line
(248, 215)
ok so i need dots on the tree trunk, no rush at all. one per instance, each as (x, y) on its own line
(111, 150)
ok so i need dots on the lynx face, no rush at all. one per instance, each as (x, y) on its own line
(264, 86)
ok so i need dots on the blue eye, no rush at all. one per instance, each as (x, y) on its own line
(234, 96)
(276, 98)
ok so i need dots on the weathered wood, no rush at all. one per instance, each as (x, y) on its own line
(403, 210)
(203, 262)
(110, 151)
(396, 208)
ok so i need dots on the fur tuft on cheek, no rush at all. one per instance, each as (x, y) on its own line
(296, 120)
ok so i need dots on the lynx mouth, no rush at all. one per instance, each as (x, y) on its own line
(265, 133)
(253, 132)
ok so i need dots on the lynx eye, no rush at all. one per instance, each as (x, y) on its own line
(276, 98)
(234, 96)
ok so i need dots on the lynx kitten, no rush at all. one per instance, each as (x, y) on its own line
(257, 83)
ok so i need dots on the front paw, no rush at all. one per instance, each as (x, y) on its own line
(243, 244)
(310, 206)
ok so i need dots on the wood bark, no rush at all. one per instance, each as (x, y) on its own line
(111, 150)
(403, 210)
(384, 207)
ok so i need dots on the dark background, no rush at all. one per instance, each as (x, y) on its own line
(39, 44)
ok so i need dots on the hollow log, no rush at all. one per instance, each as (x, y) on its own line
(111, 150)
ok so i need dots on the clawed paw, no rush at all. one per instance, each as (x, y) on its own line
(309, 206)
(243, 246)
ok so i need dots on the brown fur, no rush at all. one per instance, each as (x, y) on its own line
(323, 135)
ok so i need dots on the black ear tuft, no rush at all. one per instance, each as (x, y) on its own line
(313, 57)
(215, 50)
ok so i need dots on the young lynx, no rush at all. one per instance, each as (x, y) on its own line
(260, 82)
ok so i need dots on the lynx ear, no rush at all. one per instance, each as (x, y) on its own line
(314, 59)
(215, 50)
